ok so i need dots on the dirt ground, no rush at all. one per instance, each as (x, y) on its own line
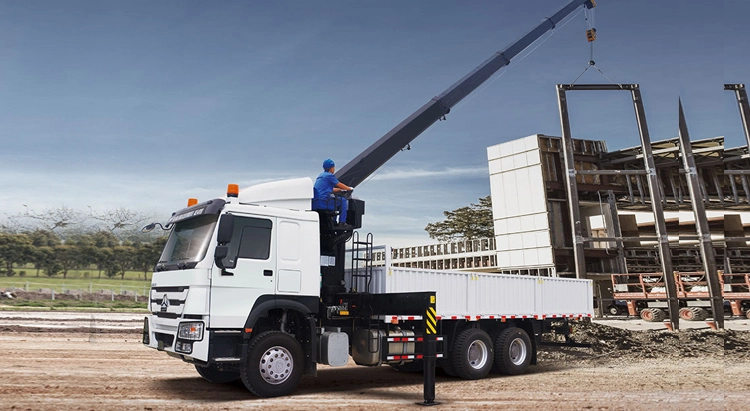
(104, 367)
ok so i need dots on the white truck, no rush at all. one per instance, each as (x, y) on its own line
(253, 285)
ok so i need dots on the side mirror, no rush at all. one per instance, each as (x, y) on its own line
(226, 229)
(220, 254)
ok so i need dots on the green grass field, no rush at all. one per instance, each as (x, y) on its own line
(84, 280)
(57, 305)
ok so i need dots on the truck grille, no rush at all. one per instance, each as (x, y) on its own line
(168, 302)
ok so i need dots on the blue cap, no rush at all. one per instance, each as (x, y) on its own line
(328, 163)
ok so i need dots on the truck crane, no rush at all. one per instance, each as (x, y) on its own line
(253, 285)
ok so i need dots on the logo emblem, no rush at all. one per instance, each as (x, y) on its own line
(164, 303)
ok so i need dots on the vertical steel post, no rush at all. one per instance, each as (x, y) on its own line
(430, 352)
(656, 207)
(701, 223)
(614, 223)
(741, 93)
(571, 187)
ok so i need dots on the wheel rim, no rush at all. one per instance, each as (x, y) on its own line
(647, 315)
(276, 365)
(614, 310)
(478, 354)
(517, 351)
(686, 314)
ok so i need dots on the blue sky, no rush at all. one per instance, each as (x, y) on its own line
(142, 104)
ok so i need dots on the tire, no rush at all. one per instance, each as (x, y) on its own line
(699, 313)
(659, 315)
(213, 374)
(414, 366)
(647, 314)
(274, 364)
(513, 351)
(613, 310)
(687, 314)
(747, 314)
(472, 354)
(653, 315)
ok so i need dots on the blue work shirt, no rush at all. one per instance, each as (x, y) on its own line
(324, 185)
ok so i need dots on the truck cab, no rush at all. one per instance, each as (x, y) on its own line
(254, 251)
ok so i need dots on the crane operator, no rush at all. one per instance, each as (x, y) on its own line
(325, 190)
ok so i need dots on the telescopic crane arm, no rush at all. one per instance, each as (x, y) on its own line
(366, 163)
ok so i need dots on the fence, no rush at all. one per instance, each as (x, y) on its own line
(80, 290)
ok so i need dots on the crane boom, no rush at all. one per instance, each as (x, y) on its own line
(367, 162)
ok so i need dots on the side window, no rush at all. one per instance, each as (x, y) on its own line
(251, 239)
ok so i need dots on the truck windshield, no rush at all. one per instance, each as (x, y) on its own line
(188, 242)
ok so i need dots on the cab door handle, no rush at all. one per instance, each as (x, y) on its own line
(268, 273)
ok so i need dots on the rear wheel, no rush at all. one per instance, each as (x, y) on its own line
(653, 315)
(471, 355)
(687, 314)
(213, 374)
(513, 351)
(659, 315)
(274, 364)
(699, 313)
(613, 310)
(647, 315)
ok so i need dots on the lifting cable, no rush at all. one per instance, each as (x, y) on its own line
(591, 38)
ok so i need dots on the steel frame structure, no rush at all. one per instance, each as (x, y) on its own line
(649, 170)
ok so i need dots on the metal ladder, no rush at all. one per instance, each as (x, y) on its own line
(361, 268)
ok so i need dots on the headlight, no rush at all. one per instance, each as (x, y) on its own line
(190, 331)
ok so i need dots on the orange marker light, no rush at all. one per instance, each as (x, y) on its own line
(192, 202)
(233, 190)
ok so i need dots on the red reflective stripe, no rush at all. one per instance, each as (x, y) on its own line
(419, 356)
(420, 339)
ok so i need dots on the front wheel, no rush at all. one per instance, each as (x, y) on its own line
(471, 355)
(513, 351)
(274, 364)
(213, 374)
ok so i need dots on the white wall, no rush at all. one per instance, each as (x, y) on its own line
(519, 204)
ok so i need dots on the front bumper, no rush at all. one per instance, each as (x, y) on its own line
(161, 334)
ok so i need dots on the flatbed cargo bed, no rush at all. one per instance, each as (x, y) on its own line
(474, 295)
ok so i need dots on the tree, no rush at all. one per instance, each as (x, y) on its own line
(123, 257)
(66, 257)
(147, 255)
(44, 258)
(465, 223)
(123, 223)
(105, 242)
(43, 242)
(14, 249)
(60, 221)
